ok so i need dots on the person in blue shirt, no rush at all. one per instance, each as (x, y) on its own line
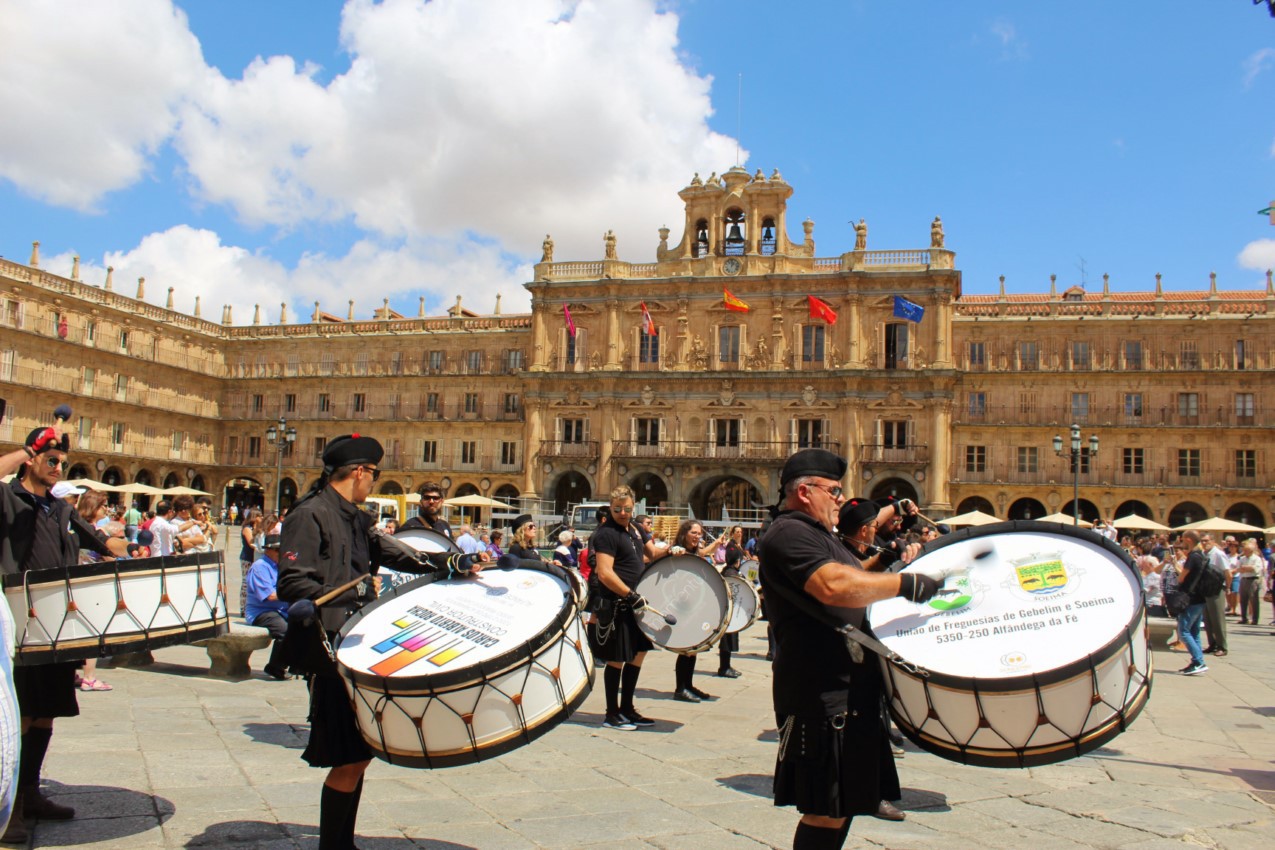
(263, 607)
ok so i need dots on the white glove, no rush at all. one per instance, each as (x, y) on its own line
(677, 550)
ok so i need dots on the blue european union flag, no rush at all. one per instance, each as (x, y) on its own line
(905, 309)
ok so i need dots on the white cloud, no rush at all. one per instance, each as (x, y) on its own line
(1257, 63)
(196, 263)
(455, 117)
(1258, 254)
(89, 90)
(1012, 46)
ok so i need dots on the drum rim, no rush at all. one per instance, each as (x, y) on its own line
(103, 568)
(29, 656)
(1000, 684)
(713, 636)
(509, 744)
(756, 608)
(406, 533)
(493, 666)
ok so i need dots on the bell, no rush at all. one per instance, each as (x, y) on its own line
(734, 234)
(768, 233)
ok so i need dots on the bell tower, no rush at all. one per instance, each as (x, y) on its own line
(736, 215)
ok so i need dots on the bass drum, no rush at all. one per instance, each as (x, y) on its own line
(10, 721)
(690, 589)
(745, 604)
(449, 671)
(422, 540)
(1035, 648)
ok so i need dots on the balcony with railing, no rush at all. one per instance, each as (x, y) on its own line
(882, 455)
(584, 449)
(1050, 473)
(699, 450)
(1062, 415)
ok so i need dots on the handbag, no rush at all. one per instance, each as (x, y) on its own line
(1176, 601)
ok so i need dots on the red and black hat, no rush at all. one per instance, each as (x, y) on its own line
(351, 449)
(856, 513)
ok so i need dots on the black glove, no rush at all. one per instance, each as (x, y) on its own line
(509, 561)
(917, 587)
(635, 600)
(462, 565)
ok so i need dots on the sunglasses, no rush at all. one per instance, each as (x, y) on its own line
(371, 470)
(431, 498)
(54, 463)
(834, 492)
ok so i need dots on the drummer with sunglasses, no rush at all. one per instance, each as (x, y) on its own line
(38, 531)
(328, 541)
(431, 512)
(834, 759)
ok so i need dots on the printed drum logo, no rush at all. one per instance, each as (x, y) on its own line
(416, 640)
(1042, 577)
(947, 600)
(1014, 660)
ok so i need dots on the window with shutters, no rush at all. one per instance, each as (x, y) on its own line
(118, 430)
(290, 403)
(570, 356)
(1189, 408)
(512, 405)
(1244, 408)
(647, 432)
(1028, 459)
(1080, 354)
(977, 406)
(894, 433)
(85, 431)
(435, 361)
(1132, 461)
(1188, 355)
(1246, 463)
(1133, 354)
(294, 364)
(896, 345)
(811, 433)
(1188, 463)
(432, 404)
(360, 363)
(812, 337)
(513, 359)
(474, 362)
(429, 452)
(1027, 404)
(977, 360)
(976, 458)
(359, 403)
(471, 404)
(1242, 360)
(726, 435)
(1028, 355)
(327, 363)
(319, 444)
(648, 347)
(1080, 408)
(573, 431)
(254, 447)
(1133, 408)
(468, 452)
(325, 403)
(728, 344)
(258, 403)
(508, 453)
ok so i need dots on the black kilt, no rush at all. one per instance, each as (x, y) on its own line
(47, 690)
(729, 642)
(835, 772)
(335, 740)
(620, 643)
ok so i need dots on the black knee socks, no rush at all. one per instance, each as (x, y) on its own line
(337, 813)
(684, 670)
(35, 745)
(611, 680)
(723, 658)
(809, 837)
(628, 684)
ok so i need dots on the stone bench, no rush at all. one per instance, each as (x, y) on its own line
(1161, 629)
(229, 653)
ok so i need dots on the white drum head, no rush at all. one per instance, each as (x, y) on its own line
(1018, 604)
(426, 540)
(744, 604)
(691, 590)
(447, 626)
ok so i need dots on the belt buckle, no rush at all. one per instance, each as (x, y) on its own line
(837, 722)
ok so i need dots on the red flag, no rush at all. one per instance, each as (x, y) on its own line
(648, 322)
(819, 309)
(733, 303)
(566, 314)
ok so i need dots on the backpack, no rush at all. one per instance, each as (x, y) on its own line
(1212, 582)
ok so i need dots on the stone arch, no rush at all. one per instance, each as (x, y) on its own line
(1246, 512)
(733, 490)
(390, 488)
(1133, 507)
(506, 493)
(1186, 512)
(1026, 508)
(976, 503)
(287, 493)
(172, 479)
(80, 470)
(572, 486)
(651, 487)
(1088, 510)
(114, 476)
(896, 486)
(245, 492)
(198, 483)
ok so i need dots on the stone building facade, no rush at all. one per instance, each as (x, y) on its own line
(744, 365)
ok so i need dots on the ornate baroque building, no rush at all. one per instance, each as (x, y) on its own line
(958, 410)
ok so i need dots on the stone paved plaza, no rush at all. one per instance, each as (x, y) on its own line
(173, 758)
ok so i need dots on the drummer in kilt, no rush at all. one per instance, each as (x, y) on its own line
(620, 550)
(328, 542)
(39, 532)
(834, 759)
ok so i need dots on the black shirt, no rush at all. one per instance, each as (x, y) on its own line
(813, 669)
(624, 545)
(440, 525)
(40, 532)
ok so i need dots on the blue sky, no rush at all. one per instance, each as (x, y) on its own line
(270, 152)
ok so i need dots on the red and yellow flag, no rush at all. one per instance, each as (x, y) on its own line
(733, 303)
(820, 309)
(648, 324)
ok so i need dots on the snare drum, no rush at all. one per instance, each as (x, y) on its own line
(444, 671)
(1036, 650)
(745, 604)
(422, 540)
(112, 607)
(694, 592)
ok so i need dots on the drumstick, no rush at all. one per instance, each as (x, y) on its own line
(333, 594)
(668, 618)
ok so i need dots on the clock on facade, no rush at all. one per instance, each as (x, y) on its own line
(732, 265)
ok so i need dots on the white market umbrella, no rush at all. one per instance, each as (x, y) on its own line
(1220, 524)
(1133, 521)
(475, 501)
(139, 489)
(183, 491)
(969, 518)
(1065, 519)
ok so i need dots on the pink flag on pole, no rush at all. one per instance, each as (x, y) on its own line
(566, 314)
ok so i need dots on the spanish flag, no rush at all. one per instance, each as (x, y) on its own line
(648, 324)
(733, 303)
(819, 309)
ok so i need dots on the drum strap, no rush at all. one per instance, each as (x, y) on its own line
(856, 639)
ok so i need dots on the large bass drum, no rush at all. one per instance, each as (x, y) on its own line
(10, 721)
(422, 540)
(444, 671)
(690, 589)
(111, 607)
(1034, 651)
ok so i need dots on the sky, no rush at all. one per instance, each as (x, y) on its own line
(295, 151)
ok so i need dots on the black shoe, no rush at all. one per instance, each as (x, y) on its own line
(618, 721)
(273, 672)
(729, 673)
(700, 693)
(1209, 650)
(631, 715)
(36, 806)
(888, 811)
(685, 695)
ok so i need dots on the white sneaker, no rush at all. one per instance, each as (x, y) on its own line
(618, 721)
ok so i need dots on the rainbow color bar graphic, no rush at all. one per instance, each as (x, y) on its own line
(414, 642)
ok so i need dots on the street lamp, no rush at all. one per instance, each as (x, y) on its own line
(1075, 455)
(280, 435)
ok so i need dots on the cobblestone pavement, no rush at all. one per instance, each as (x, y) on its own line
(173, 758)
